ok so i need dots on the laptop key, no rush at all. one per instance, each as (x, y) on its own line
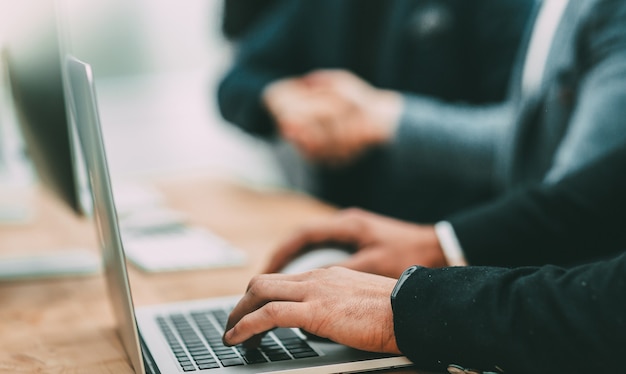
(253, 356)
(305, 354)
(285, 333)
(221, 317)
(223, 351)
(300, 350)
(291, 345)
(278, 357)
(205, 360)
(232, 361)
(198, 351)
(227, 355)
(212, 365)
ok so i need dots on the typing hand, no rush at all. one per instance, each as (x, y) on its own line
(384, 246)
(345, 306)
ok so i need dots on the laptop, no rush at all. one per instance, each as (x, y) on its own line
(187, 336)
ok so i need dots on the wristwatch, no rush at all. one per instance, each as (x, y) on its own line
(405, 275)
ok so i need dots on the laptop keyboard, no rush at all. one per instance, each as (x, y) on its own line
(196, 341)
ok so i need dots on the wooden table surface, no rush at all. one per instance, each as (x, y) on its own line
(65, 325)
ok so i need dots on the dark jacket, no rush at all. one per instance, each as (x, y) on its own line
(578, 116)
(451, 49)
(532, 319)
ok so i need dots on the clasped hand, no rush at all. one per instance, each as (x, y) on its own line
(332, 116)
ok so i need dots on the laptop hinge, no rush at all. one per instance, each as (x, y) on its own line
(148, 361)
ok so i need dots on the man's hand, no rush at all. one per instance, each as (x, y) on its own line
(345, 306)
(384, 246)
(332, 116)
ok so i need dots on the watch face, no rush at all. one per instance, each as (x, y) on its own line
(405, 275)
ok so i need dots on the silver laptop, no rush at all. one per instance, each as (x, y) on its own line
(187, 337)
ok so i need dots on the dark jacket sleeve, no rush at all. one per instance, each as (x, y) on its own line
(524, 320)
(239, 16)
(269, 51)
(579, 218)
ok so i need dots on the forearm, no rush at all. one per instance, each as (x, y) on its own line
(527, 320)
(453, 139)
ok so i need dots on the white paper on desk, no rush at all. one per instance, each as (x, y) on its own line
(49, 264)
(151, 217)
(15, 214)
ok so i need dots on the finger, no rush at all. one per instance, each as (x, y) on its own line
(289, 127)
(316, 78)
(326, 133)
(363, 261)
(263, 289)
(339, 231)
(323, 77)
(269, 316)
(338, 134)
(301, 127)
(282, 257)
(350, 133)
(375, 261)
(315, 141)
(306, 138)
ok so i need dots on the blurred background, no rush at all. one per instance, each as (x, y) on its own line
(156, 65)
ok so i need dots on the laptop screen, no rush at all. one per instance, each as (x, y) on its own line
(87, 129)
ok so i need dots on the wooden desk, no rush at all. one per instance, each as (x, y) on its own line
(66, 325)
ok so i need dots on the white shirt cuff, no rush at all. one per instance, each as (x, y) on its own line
(452, 250)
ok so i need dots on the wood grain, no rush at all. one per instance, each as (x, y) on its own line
(65, 325)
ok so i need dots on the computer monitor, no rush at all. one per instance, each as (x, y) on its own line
(33, 57)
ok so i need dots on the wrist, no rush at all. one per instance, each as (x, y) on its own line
(450, 245)
(386, 111)
(269, 92)
(429, 242)
(396, 305)
(403, 277)
(279, 94)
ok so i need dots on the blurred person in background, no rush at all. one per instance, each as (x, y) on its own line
(330, 77)
(566, 109)
(568, 117)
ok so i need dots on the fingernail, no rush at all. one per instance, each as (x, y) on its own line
(226, 338)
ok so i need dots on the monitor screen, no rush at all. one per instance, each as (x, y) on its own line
(34, 54)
